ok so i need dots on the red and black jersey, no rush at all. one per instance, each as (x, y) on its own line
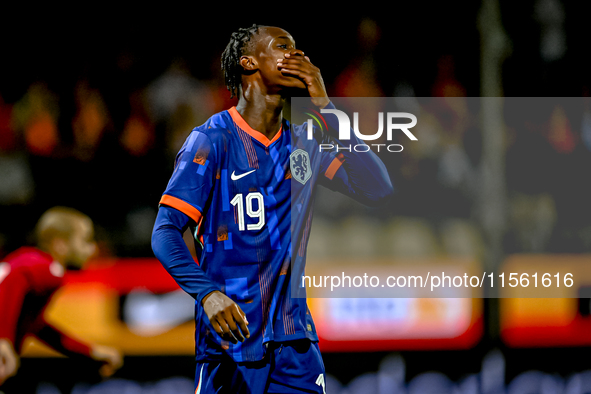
(28, 279)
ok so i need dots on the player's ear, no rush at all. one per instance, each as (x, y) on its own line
(249, 63)
(59, 246)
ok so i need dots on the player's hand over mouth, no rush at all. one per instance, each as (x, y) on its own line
(297, 64)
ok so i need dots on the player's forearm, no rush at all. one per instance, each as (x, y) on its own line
(61, 342)
(170, 248)
(363, 175)
(12, 294)
(367, 178)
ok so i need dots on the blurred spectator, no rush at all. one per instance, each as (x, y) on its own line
(446, 84)
(359, 78)
(492, 375)
(16, 187)
(586, 123)
(431, 383)
(532, 221)
(178, 101)
(579, 383)
(219, 93)
(460, 237)
(560, 134)
(550, 15)
(36, 116)
(411, 237)
(90, 122)
(8, 137)
(535, 382)
(138, 133)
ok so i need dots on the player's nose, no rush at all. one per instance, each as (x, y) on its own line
(297, 52)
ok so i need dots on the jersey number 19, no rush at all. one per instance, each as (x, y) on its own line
(238, 202)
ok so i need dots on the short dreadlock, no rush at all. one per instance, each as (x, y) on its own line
(231, 57)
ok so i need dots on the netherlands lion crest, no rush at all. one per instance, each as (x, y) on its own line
(299, 164)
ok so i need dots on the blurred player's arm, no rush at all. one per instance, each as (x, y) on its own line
(13, 289)
(110, 358)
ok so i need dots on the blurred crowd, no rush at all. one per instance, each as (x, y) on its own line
(110, 160)
(106, 146)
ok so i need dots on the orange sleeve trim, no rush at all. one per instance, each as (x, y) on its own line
(182, 206)
(333, 168)
(257, 135)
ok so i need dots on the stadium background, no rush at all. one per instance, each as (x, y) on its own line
(94, 104)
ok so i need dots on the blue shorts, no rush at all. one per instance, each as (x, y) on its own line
(288, 367)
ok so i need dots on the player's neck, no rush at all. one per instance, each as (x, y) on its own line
(55, 255)
(262, 112)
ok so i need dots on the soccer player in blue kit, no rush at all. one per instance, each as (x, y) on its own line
(244, 183)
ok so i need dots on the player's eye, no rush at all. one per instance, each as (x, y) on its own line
(284, 46)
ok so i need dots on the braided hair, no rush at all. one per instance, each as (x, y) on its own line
(231, 57)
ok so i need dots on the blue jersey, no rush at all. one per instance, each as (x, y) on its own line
(250, 200)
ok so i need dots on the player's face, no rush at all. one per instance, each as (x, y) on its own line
(273, 43)
(81, 243)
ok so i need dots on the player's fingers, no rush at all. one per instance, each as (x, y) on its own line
(111, 365)
(240, 318)
(228, 315)
(106, 371)
(302, 67)
(291, 72)
(115, 360)
(299, 74)
(226, 331)
(6, 371)
(9, 366)
(217, 328)
(296, 60)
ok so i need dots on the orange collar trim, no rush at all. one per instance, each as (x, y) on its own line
(257, 135)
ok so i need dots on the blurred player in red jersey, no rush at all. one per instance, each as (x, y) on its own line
(28, 279)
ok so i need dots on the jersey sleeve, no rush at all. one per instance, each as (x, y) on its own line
(187, 196)
(15, 284)
(170, 249)
(191, 184)
(360, 175)
(13, 289)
